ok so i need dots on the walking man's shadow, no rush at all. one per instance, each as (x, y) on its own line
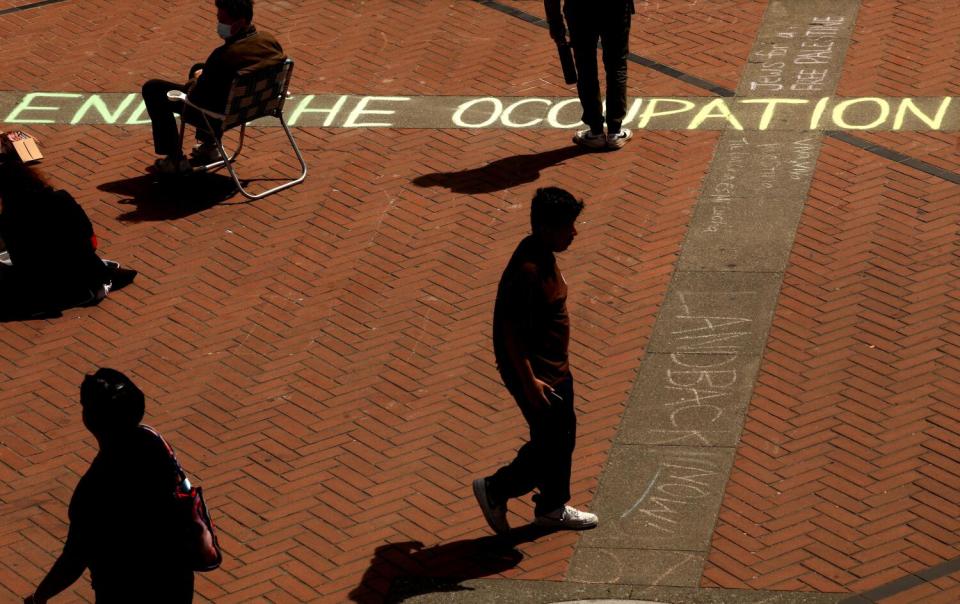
(406, 569)
(499, 174)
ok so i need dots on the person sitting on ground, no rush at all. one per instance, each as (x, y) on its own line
(123, 516)
(52, 261)
(244, 49)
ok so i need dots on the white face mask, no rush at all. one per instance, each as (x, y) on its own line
(223, 30)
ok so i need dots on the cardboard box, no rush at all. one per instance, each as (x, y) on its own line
(22, 144)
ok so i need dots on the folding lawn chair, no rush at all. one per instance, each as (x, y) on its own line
(253, 95)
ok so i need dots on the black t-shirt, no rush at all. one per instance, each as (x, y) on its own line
(532, 303)
(123, 523)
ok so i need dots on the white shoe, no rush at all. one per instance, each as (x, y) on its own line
(586, 138)
(618, 140)
(495, 515)
(567, 518)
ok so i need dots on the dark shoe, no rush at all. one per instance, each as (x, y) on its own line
(205, 154)
(121, 277)
(495, 515)
(172, 165)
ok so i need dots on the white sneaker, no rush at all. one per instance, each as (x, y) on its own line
(567, 518)
(495, 515)
(586, 138)
(618, 140)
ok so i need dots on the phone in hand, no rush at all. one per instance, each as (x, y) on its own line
(552, 396)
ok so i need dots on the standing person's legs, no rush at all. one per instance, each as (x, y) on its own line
(584, 35)
(555, 445)
(616, 45)
(545, 461)
(166, 133)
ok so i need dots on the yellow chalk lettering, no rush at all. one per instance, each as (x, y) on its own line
(650, 111)
(25, 105)
(771, 107)
(134, 117)
(841, 108)
(706, 112)
(94, 101)
(818, 112)
(934, 123)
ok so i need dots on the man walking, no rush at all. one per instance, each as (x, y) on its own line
(531, 335)
(590, 21)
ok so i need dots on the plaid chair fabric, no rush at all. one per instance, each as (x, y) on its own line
(258, 94)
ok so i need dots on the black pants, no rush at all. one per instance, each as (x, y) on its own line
(166, 133)
(545, 461)
(608, 22)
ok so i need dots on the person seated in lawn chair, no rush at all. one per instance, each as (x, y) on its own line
(245, 48)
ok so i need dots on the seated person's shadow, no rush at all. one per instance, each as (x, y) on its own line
(499, 174)
(163, 197)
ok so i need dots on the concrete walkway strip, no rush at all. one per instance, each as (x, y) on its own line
(661, 490)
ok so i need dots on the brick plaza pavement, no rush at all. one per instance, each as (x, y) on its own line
(321, 358)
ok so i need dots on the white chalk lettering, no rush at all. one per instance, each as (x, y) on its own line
(505, 116)
(304, 107)
(361, 109)
(464, 107)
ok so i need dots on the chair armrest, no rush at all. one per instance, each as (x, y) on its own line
(179, 95)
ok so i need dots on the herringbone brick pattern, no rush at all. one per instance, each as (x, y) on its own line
(321, 359)
(709, 40)
(903, 48)
(846, 477)
(343, 46)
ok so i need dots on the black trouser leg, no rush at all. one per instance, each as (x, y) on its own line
(584, 35)
(545, 461)
(616, 45)
(166, 132)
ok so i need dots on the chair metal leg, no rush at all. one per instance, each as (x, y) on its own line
(286, 185)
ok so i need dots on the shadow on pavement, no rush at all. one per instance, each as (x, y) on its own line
(157, 197)
(406, 569)
(499, 174)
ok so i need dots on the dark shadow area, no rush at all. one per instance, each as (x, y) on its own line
(402, 570)
(499, 174)
(119, 278)
(162, 197)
